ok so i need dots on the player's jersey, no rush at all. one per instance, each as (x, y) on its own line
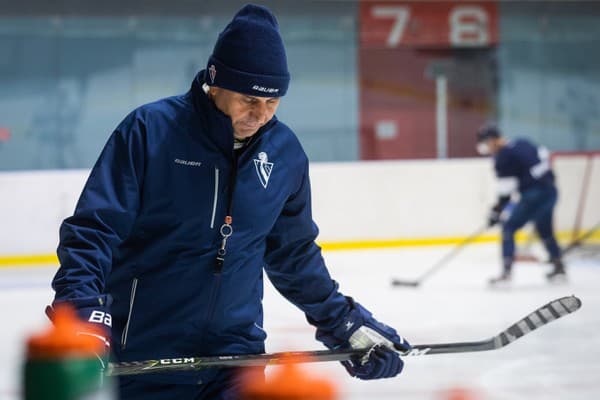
(528, 163)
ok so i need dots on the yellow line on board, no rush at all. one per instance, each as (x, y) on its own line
(29, 260)
(522, 237)
(390, 243)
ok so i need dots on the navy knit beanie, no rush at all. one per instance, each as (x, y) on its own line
(249, 56)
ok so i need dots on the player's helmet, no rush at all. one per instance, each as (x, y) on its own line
(488, 131)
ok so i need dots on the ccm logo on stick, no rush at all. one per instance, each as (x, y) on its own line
(169, 361)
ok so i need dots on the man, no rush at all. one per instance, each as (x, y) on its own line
(191, 198)
(521, 166)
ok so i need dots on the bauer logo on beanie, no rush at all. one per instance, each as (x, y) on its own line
(249, 56)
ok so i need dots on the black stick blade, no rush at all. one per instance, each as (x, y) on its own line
(540, 317)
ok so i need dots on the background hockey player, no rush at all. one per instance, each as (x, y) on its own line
(191, 198)
(521, 166)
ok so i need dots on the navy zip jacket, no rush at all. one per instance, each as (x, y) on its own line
(139, 253)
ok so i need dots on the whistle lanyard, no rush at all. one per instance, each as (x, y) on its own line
(226, 229)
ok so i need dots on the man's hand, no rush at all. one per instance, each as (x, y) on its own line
(498, 209)
(382, 359)
(494, 216)
(95, 330)
(359, 330)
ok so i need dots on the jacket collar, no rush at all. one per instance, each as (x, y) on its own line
(218, 126)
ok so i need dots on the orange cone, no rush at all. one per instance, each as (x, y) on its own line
(459, 393)
(289, 382)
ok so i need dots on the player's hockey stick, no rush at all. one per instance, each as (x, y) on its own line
(540, 317)
(577, 242)
(443, 261)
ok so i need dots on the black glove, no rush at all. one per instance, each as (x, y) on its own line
(496, 211)
(100, 319)
(494, 216)
(359, 330)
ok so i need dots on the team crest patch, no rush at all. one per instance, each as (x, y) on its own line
(212, 71)
(263, 168)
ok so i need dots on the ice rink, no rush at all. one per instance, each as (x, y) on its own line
(558, 361)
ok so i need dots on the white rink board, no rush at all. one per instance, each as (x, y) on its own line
(356, 201)
(571, 173)
(557, 362)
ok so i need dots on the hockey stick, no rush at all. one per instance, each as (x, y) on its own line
(443, 261)
(577, 242)
(540, 317)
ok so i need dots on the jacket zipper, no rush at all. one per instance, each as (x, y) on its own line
(215, 199)
(226, 229)
(131, 301)
(217, 273)
(212, 303)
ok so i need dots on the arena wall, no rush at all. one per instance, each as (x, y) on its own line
(356, 204)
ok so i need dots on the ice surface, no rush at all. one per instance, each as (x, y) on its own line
(558, 361)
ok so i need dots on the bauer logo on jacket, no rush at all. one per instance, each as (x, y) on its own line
(188, 163)
(263, 168)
